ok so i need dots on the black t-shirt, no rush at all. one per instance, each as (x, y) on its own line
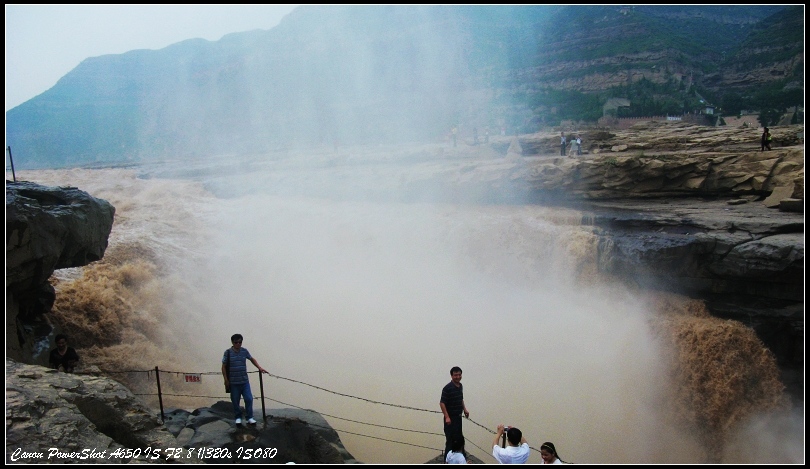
(453, 399)
(56, 360)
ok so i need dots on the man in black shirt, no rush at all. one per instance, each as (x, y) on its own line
(63, 356)
(452, 404)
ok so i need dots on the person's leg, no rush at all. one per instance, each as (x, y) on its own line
(448, 437)
(457, 433)
(236, 393)
(248, 401)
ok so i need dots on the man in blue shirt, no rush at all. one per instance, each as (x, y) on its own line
(234, 370)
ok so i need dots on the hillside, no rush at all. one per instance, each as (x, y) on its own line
(349, 75)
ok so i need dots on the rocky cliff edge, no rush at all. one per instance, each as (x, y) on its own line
(56, 417)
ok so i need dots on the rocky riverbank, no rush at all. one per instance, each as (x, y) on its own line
(54, 417)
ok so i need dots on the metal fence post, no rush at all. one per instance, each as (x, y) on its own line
(160, 396)
(11, 159)
(261, 390)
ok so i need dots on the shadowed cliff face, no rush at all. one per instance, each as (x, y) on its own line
(47, 228)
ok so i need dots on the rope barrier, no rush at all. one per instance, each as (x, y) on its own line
(149, 373)
(356, 397)
(485, 428)
(375, 437)
(480, 448)
(255, 398)
(355, 421)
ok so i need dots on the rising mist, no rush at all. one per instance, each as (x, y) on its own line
(379, 299)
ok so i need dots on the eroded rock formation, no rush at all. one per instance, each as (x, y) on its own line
(47, 228)
(287, 435)
(55, 417)
(72, 413)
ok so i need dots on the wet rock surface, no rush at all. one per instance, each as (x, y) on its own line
(56, 417)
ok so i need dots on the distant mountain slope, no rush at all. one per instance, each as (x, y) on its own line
(778, 38)
(354, 74)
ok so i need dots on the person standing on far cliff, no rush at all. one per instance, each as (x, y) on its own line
(579, 145)
(63, 356)
(766, 139)
(234, 370)
(452, 405)
(562, 143)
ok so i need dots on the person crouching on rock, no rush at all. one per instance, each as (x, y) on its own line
(63, 356)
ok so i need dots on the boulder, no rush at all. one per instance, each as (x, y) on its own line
(791, 205)
(86, 418)
(780, 193)
(286, 435)
(96, 419)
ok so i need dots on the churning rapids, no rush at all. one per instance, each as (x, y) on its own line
(379, 299)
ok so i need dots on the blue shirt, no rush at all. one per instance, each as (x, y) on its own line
(237, 373)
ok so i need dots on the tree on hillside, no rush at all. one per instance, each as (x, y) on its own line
(769, 117)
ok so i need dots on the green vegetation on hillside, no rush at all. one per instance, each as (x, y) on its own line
(369, 74)
(778, 38)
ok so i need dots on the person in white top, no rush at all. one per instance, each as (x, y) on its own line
(516, 450)
(549, 454)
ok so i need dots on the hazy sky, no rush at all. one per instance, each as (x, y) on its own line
(45, 42)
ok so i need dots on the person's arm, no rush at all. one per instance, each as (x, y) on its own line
(224, 373)
(466, 412)
(498, 435)
(261, 370)
(444, 411)
(71, 359)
